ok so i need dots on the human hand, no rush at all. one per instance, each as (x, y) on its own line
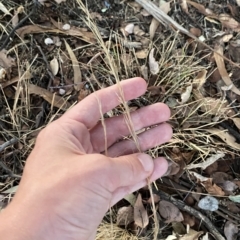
(68, 185)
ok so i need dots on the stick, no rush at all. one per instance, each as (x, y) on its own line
(8, 143)
(181, 205)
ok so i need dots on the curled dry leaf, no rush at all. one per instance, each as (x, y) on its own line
(236, 122)
(138, 31)
(208, 162)
(200, 79)
(6, 61)
(125, 216)
(225, 136)
(153, 27)
(76, 68)
(140, 213)
(186, 95)
(230, 230)
(170, 212)
(222, 69)
(153, 64)
(52, 98)
(54, 65)
(207, 183)
(229, 22)
(208, 203)
(200, 8)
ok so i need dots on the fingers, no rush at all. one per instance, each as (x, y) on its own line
(89, 110)
(149, 139)
(160, 167)
(117, 127)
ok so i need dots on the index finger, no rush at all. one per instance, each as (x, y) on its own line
(89, 110)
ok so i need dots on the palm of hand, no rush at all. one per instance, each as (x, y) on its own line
(75, 182)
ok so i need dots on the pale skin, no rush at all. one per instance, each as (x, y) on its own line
(68, 184)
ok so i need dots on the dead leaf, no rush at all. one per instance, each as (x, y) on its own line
(203, 165)
(153, 64)
(170, 212)
(6, 61)
(200, 8)
(144, 72)
(207, 183)
(76, 68)
(186, 94)
(229, 22)
(142, 54)
(52, 98)
(4, 9)
(138, 31)
(188, 219)
(125, 216)
(140, 213)
(165, 6)
(238, 2)
(200, 79)
(74, 31)
(196, 31)
(54, 65)
(184, 6)
(153, 27)
(236, 122)
(225, 136)
(221, 67)
(230, 230)
(191, 235)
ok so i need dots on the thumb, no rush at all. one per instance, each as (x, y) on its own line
(128, 170)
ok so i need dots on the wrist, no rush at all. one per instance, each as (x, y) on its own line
(19, 223)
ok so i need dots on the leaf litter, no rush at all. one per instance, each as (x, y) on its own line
(200, 85)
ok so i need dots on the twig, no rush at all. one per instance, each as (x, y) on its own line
(48, 66)
(181, 205)
(8, 143)
(10, 173)
(7, 40)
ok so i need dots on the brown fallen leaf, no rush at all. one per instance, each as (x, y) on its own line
(6, 61)
(141, 218)
(229, 22)
(230, 230)
(222, 69)
(225, 136)
(208, 184)
(125, 216)
(191, 235)
(153, 27)
(76, 69)
(236, 122)
(74, 31)
(170, 212)
(200, 8)
(52, 98)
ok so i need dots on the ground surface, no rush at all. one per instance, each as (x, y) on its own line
(118, 40)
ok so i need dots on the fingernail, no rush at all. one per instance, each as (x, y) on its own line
(146, 161)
